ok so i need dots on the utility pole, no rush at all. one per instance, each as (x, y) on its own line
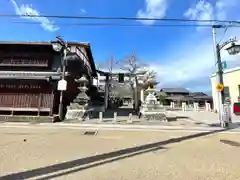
(63, 65)
(110, 69)
(219, 73)
(136, 83)
(108, 81)
(61, 46)
(110, 64)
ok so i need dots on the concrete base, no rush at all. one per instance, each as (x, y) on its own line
(77, 114)
(154, 116)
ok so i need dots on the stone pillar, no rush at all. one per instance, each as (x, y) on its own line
(78, 110)
(196, 106)
(100, 116)
(115, 117)
(129, 118)
(184, 106)
(106, 92)
(172, 105)
(207, 106)
(142, 95)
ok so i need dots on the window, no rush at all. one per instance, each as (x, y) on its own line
(121, 77)
(238, 90)
(226, 91)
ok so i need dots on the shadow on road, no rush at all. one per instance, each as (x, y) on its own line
(230, 143)
(97, 160)
(233, 125)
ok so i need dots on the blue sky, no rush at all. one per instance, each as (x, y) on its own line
(181, 56)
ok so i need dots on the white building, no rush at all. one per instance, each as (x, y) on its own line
(231, 81)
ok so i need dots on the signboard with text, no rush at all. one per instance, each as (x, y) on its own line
(62, 85)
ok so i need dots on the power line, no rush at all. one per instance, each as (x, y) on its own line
(224, 33)
(118, 18)
(120, 25)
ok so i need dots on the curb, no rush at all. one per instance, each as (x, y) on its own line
(106, 126)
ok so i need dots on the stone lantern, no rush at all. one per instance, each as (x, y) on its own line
(79, 109)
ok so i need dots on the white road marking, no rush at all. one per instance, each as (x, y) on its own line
(122, 128)
(111, 137)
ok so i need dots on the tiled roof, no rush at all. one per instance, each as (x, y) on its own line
(198, 94)
(174, 90)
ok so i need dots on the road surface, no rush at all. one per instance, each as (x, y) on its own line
(61, 153)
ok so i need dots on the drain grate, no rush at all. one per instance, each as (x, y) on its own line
(90, 133)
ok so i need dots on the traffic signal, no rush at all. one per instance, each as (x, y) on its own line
(120, 77)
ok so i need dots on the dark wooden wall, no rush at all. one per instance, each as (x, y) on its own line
(26, 95)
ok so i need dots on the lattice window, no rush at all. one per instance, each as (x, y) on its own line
(20, 62)
(26, 100)
(19, 86)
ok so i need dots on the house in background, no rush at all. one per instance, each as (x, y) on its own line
(179, 95)
(175, 91)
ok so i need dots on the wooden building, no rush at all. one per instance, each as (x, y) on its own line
(29, 72)
(179, 95)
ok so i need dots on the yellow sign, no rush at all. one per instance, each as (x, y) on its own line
(220, 87)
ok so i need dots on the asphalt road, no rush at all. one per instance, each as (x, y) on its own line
(51, 153)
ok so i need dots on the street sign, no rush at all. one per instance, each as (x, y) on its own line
(226, 118)
(224, 65)
(227, 100)
(219, 87)
(62, 85)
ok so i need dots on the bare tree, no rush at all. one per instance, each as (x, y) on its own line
(136, 71)
(139, 73)
(108, 67)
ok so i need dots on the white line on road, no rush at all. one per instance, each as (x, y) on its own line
(169, 129)
(113, 126)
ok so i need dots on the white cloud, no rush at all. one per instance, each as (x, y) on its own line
(192, 64)
(222, 7)
(196, 64)
(26, 9)
(202, 11)
(194, 68)
(153, 9)
(83, 11)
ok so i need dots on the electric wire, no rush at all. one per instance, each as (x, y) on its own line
(119, 25)
(117, 18)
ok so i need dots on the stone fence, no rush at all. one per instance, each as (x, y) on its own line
(185, 107)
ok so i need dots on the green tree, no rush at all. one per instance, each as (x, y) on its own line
(161, 96)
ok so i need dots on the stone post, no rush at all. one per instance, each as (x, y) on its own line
(207, 106)
(106, 96)
(172, 105)
(196, 106)
(115, 117)
(142, 95)
(184, 106)
(100, 116)
(129, 118)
